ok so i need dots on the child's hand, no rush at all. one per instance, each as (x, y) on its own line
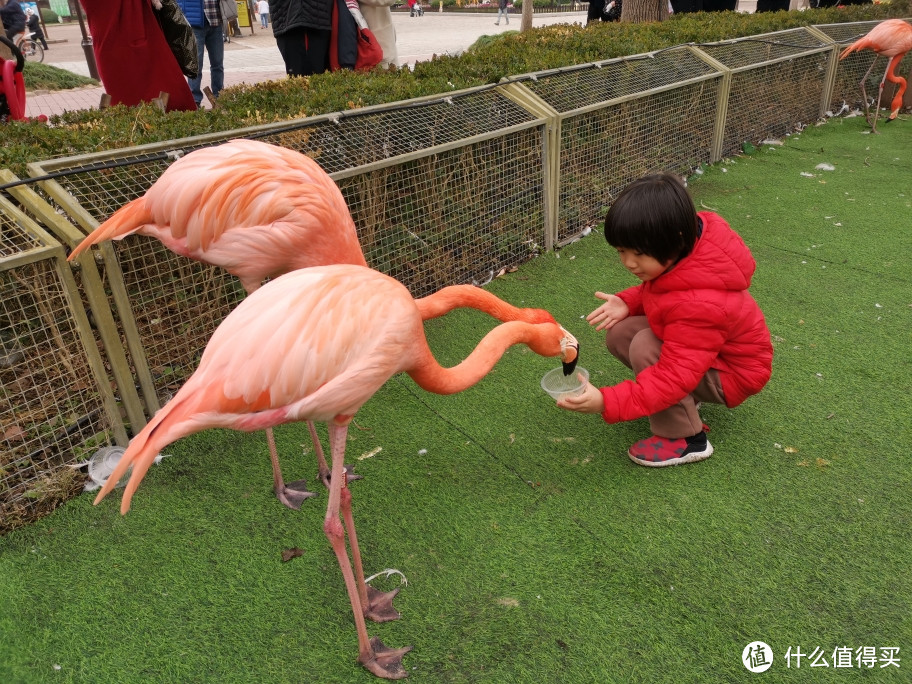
(613, 310)
(590, 401)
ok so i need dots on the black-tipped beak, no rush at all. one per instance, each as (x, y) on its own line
(573, 351)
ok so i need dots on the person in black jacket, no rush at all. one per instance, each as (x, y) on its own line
(302, 30)
(604, 10)
(13, 18)
(34, 26)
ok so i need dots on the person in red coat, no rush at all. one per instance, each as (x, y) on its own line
(134, 60)
(690, 331)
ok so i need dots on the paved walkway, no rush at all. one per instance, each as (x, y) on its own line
(254, 57)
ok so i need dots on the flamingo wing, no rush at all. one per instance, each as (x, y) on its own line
(889, 38)
(255, 209)
(274, 195)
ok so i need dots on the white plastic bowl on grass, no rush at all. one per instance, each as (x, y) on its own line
(559, 385)
(103, 462)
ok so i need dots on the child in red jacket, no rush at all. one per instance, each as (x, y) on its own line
(690, 331)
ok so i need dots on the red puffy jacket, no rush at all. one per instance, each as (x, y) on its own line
(705, 317)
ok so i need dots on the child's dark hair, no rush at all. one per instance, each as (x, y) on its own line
(654, 216)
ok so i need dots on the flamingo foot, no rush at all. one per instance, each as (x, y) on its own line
(350, 475)
(380, 605)
(385, 662)
(293, 494)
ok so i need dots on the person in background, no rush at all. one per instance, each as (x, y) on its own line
(262, 8)
(302, 30)
(502, 10)
(34, 27)
(772, 5)
(604, 10)
(13, 18)
(379, 20)
(690, 330)
(206, 19)
(135, 62)
(594, 12)
(686, 6)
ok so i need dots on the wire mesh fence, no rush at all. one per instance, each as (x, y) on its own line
(604, 150)
(777, 85)
(56, 406)
(447, 189)
(622, 118)
(452, 217)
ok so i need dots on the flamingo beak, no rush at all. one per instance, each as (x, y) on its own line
(569, 352)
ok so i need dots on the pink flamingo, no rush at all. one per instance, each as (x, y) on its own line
(316, 344)
(258, 211)
(891, 38)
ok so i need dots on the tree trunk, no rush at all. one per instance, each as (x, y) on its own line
(642, 11)
(526, 23)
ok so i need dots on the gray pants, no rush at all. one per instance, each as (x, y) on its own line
(634, 344)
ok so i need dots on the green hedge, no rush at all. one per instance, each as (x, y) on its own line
(485, 62)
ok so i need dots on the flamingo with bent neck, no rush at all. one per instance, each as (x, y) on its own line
(891, 38)
(315, 345)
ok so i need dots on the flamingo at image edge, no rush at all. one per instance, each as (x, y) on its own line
(258, 211)
(315, 345)
(891, 38)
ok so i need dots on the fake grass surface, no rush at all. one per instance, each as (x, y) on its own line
(534, 549)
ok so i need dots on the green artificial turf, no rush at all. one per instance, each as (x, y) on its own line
(535, 550)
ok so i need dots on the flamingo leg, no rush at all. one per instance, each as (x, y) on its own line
(880, 90)
(372, 653)
(377, 605)
(864, 93)
(292, 494)
(321, 460)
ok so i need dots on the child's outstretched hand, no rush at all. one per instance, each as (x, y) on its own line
(590, 401)
(613, 310)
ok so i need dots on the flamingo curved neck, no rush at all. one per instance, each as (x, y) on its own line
(468, 296)
(891, 76)
(542, 338)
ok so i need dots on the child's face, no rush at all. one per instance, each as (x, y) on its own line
(642, 265)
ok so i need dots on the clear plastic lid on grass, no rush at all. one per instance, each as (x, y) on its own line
(103, 462)
(559, 385)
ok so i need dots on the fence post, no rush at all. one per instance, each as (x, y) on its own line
(536, 106)
(715, 150)
(830, 79)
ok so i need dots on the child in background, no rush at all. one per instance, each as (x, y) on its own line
(690, 331)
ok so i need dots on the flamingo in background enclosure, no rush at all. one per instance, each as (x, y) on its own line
(315, 345)
(891, 38)
(258, 211)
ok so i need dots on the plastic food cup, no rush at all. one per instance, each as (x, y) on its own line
(559, 385)
(103, 462)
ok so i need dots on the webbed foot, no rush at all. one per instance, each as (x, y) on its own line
(385, 662)
(350, 475)
(293, 494)
(380, 605)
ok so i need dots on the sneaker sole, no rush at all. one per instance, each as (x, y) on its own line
(692, 457)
